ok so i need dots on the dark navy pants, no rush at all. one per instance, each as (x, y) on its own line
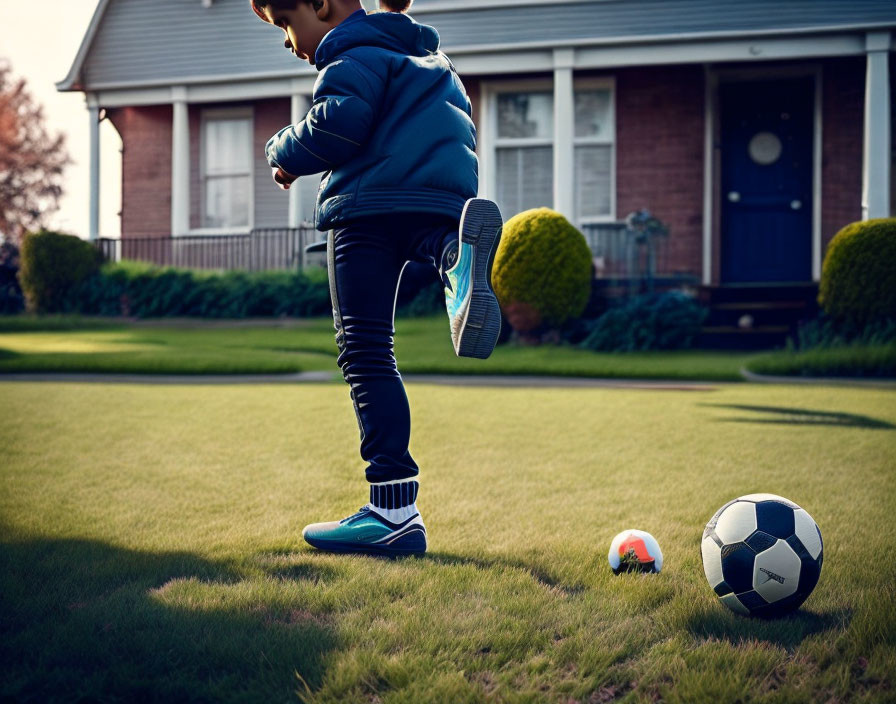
(365, 259)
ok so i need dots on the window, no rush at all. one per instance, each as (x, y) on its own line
(524, 153)
(519, 157)
(593, 154)
(226, 170)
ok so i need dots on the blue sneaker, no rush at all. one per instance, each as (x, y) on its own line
(472, 307)
(369, 532)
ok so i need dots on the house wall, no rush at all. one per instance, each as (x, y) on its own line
(659, 155)
(146, 134)
(145, 169)
(271, 203)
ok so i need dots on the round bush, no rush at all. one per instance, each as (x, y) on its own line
(858, 278)
(52, 266)
(542, 270)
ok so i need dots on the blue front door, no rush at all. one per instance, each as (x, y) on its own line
(766, 180)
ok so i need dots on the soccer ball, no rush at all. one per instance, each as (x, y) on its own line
(762, 555)
(635, 551)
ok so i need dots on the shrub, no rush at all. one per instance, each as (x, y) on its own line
(143, 290)
(12, 300)
(542, 270)
(824, 331)
(858, 278)
(53, 264)
(661, 321)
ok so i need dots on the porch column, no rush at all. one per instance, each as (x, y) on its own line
(93, 111)
(876, 144)
(180, 163)
(298, 108)
(564, 133)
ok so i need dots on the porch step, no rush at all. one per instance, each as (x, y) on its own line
(732, 337)
(755, 316)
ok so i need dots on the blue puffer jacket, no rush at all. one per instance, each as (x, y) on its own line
(390, 124)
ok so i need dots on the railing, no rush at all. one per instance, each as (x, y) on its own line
(260, 250)
(624, 255)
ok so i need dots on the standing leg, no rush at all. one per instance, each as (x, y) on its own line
(365, 261)
(365, 267)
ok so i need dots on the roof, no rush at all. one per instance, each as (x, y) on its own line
(137, 43)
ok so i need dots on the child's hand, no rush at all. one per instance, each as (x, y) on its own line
(281, 178)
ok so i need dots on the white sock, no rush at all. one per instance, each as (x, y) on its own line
(396, 501)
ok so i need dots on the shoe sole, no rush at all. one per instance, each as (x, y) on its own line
(412, 542)
(480, 227)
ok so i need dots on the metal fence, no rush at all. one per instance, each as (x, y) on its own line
(622, 254)
(260, 250)
(618, 252)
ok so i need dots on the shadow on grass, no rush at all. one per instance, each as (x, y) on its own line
(82, 620)
(716, 622)
(802, 416)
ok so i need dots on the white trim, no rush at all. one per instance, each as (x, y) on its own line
(74, 71)
(93, 115)
(461, 5)
(715, 76)
(741, 51)
(816, 174)
(711, 83)
(564, 130)
(693, 38)
(876, 155)
(180, 162)
(298, 107)
(213, 93)
(521, 57)
(484, 132)
(232, 113)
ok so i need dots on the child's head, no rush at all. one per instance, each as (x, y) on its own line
(304, 22)
(396, 5)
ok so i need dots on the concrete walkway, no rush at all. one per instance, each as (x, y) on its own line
(488, 380)
(328, 377)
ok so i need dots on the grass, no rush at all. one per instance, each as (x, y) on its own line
(150, 546)
(856, 360)
(423, 345)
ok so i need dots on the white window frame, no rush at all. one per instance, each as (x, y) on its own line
(241, 113)
(489, 142)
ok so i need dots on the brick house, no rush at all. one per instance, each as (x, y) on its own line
(754, 129)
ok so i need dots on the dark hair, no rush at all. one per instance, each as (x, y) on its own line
(396, 5)
(258, 6)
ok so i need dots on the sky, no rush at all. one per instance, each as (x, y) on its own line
(42, 52)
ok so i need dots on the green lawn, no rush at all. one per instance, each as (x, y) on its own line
(423, 345)
(151, 546)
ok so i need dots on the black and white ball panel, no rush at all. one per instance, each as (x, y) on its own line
(762, 554)
(808, 533)
(737, 522)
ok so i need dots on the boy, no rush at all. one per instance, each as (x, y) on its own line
(390, 125)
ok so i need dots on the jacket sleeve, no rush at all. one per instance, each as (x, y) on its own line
(347, 96)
